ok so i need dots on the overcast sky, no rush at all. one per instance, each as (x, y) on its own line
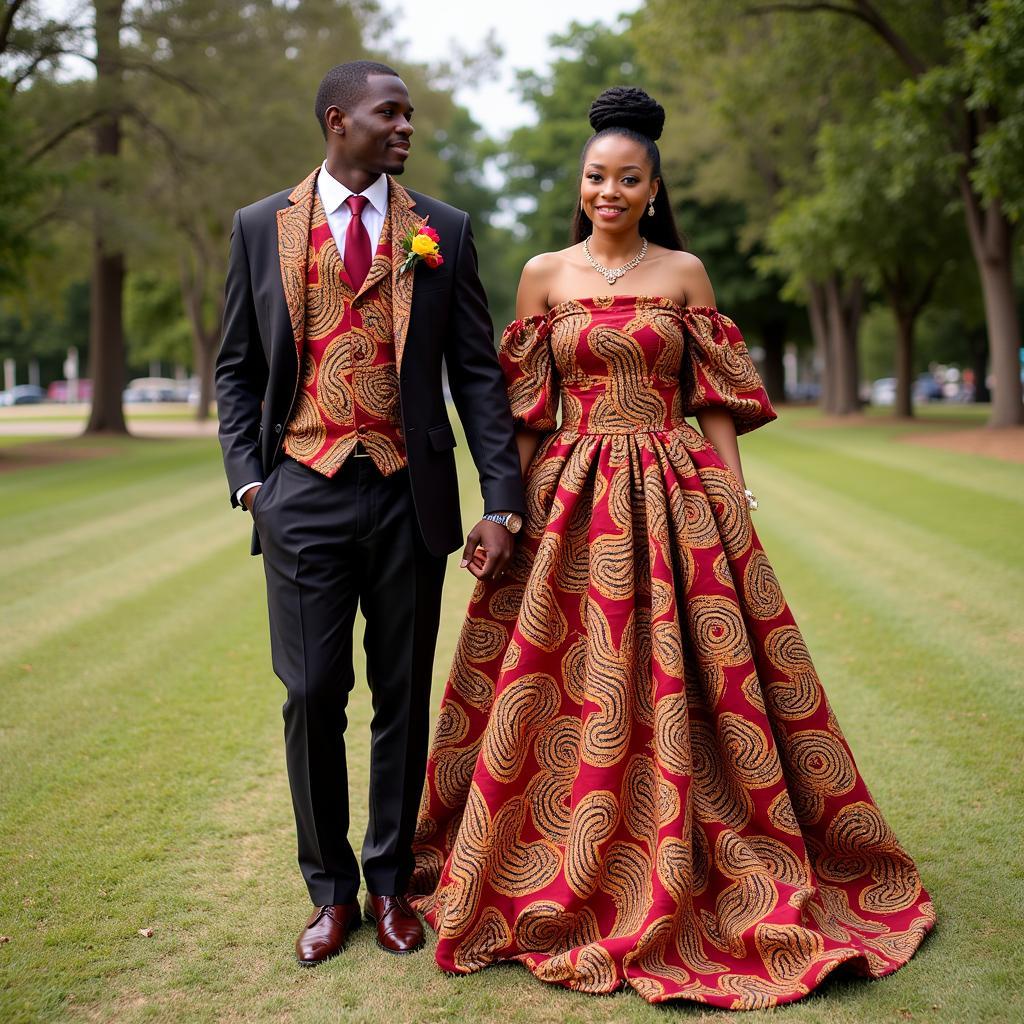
(522, 28)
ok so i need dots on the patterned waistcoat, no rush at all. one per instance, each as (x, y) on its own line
(348, 391)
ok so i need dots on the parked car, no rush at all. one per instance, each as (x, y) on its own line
(151, 389)
(883, 391)
(58, 390)
(927, 389)
(23, 394)
(804, 391)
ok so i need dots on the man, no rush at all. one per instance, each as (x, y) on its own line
(336, 439)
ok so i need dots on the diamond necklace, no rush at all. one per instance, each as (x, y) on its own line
(612, 275)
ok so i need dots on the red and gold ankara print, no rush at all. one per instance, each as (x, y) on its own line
(636, 777)
(348, 387)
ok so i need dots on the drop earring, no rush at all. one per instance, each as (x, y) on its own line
(650, 207)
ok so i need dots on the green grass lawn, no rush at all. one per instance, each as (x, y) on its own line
(141, 756)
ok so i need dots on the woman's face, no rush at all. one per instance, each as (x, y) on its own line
(617, 183)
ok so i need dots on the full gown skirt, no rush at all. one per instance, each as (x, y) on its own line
(636, 778)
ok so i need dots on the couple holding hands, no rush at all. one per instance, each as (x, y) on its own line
(635, 777)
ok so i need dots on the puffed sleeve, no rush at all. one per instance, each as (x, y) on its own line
(526, 361)
(718, 371)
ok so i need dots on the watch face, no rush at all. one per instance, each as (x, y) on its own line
(514, 523)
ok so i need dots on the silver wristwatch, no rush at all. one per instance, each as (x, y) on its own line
(512, 521)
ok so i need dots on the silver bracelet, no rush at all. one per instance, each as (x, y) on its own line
(751, 500)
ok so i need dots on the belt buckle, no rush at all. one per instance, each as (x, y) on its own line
(359, 452)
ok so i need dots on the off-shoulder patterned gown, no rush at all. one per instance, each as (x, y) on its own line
(636, 777)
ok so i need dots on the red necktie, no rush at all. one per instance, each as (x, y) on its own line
(357, 243)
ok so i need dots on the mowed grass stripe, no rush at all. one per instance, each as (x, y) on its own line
(46, 614)
(967, 599)
(40, 498)
(948, 511)
(77, 539)
(94, 670)
(887, 445)
(906, 656)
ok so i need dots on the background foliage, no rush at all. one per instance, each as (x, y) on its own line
(833, 164)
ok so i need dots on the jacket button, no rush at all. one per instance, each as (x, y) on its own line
(277, 428)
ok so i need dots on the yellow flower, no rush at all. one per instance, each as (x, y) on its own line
(423, 246)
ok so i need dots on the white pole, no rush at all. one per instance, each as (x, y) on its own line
(71, 374)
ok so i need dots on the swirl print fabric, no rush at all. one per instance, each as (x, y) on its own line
(636, 778)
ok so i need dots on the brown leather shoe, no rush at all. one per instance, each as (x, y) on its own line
(399, 930)
(326, 933)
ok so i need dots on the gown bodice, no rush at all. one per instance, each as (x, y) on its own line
(627, 364)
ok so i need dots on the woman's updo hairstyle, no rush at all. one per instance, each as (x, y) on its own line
(626, 110)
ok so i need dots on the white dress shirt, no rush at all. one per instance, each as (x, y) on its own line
(333, 195)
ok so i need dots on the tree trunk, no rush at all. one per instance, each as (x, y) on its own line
(817, 314)
(853, 310)
(773, 338)
(977, 344)
(991, 236)
(905, 323)
(106, 327)
(204, 339)
(1004, 343)
(106, 340)
(204, 360)
(843, 320)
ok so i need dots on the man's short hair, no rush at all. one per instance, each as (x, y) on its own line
(343, 86)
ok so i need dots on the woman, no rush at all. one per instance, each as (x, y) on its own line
(636, 777)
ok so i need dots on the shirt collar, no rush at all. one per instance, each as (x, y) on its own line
(333, 193)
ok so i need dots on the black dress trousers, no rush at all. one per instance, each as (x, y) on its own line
(330, 545)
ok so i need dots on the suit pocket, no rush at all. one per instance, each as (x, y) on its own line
(442, 437)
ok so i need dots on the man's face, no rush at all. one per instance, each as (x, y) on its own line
(378, 127)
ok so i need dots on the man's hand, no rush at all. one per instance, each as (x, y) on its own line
(248, 497)
(495, 545)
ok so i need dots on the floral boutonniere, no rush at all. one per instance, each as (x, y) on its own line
(422, 244)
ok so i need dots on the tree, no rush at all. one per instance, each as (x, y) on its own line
(745, 109)
(106, 333)
(752, 297)
(899, 236)
(463, 150)
(156, 329)
(31, 45)
(970, 90)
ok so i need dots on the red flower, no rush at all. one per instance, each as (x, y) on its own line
(430, 233)
(433, 259)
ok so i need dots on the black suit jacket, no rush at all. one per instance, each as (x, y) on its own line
(257, 370)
